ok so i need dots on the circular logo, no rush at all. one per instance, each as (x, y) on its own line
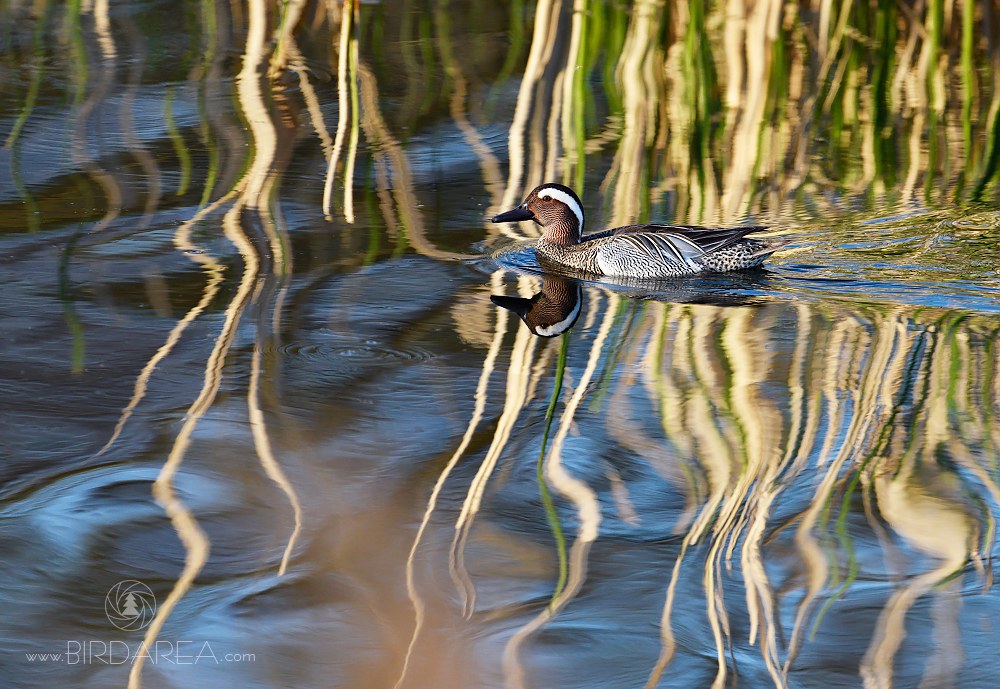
(130, 605)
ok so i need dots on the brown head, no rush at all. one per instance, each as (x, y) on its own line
(556, 208)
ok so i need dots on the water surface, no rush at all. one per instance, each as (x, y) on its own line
(251, 360)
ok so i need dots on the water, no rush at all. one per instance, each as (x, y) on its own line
(328, 459)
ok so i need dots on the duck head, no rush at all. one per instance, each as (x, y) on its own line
(552, 311)
(553, 206)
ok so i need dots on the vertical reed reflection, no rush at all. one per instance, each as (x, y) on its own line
(479, 406)
(741, 450)
(254, 191)
(584, 500)
(705, 113)
(872, 409)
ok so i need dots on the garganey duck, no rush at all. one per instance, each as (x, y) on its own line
(634, 251)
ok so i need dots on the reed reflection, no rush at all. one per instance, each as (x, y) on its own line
(742, 449)
(785, 444)
(794, 456)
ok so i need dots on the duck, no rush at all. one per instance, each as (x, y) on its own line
(634, 251)
(550, 312)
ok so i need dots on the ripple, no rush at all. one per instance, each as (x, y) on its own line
(989, 220)
(366, 352)
(519, 257)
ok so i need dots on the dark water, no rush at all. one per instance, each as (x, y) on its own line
(327, 459)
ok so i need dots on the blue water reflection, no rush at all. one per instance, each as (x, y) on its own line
(252, 361)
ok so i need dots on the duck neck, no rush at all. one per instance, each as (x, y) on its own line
(563, 233)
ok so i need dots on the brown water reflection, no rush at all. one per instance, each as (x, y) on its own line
(251, 365)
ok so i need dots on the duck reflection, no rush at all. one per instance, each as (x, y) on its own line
(552, 311)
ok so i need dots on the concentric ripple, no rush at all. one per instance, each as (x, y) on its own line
(360, 353)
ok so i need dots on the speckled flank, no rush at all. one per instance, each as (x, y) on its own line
(747, 253)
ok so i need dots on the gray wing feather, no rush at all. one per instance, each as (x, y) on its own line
(709, 239)
(651, 255)
(664, 247)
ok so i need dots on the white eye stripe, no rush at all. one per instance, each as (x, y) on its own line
(570, 202)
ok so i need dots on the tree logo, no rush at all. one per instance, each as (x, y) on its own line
(130, 605)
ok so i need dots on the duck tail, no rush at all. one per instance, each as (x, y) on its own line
(769, 247)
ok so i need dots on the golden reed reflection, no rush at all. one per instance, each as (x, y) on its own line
(710, 112)
(254, 191)
(742, 450)
(750, 420)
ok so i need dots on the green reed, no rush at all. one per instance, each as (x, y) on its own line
(968, 85)
(863, 88)
(177, 140)
(551, 514)
(67, 295)
(32, 215)
(210, 41)
(859, 103)
(846, 545)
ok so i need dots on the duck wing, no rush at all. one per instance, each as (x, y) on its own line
(707, 239)
(648, 255)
